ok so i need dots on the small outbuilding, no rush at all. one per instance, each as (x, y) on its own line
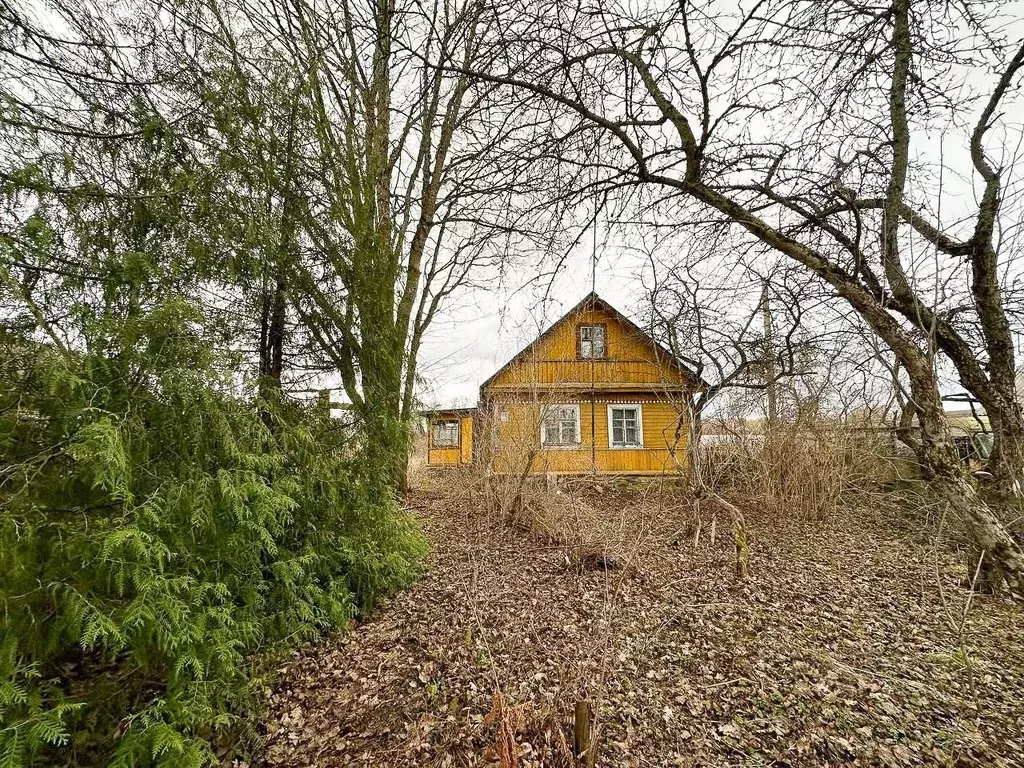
(449, 436)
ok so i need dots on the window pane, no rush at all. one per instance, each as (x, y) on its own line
(446, 433)
(625, 427)
(560, 425)
(591, 341)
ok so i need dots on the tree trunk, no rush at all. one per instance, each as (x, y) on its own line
(1002, 560)
(381, 363)
(770, 383)
(1006, 462)
(271, 350)
(272, 337)
(1001, 557)
(695, 469)
(275, 336)
(739, 535)
(387, 435)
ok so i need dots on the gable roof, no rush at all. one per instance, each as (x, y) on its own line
(593, 301)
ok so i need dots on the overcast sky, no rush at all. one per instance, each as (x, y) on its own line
(481, 330)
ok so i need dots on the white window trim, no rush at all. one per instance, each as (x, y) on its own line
(639, 426)
(560, 446)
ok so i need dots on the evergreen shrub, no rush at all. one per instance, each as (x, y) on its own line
(159, 537)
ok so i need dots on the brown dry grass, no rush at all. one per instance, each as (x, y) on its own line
(802, 469)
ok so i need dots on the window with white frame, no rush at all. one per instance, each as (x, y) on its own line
(561, 425)
(625, 426)
(446, 434)
(592, 342)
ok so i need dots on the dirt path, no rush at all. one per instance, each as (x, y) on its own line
(841, 650)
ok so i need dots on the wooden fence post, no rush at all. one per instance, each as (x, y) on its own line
(583, 745)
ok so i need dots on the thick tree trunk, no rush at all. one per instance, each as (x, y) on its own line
(381, 364)
(1002, 560)
(386, 447)
(1006, 462)
(387, 434)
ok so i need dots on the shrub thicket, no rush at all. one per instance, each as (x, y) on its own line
(156, 534)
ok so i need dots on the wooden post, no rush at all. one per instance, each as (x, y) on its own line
(582, 747)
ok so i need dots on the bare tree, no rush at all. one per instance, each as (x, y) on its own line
(802, 124)
(348, 183)
(717, 325)
(739, 332)
(390, 191)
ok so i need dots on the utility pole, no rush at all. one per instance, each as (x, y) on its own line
(769, 355)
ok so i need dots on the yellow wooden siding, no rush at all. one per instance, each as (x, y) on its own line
(467, 439)
(623, 373)
(443, 456)
(517, 435)
(631, 358)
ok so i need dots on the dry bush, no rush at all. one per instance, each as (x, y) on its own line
(513, 489)
(505, 475)
(515, 723)
(417, 472)
(592, 537)
(803, 468)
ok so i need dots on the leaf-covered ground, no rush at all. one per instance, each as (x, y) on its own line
(848, 646)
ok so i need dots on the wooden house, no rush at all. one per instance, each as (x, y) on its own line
(594, 393)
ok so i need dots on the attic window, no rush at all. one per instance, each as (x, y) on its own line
(591, 342)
